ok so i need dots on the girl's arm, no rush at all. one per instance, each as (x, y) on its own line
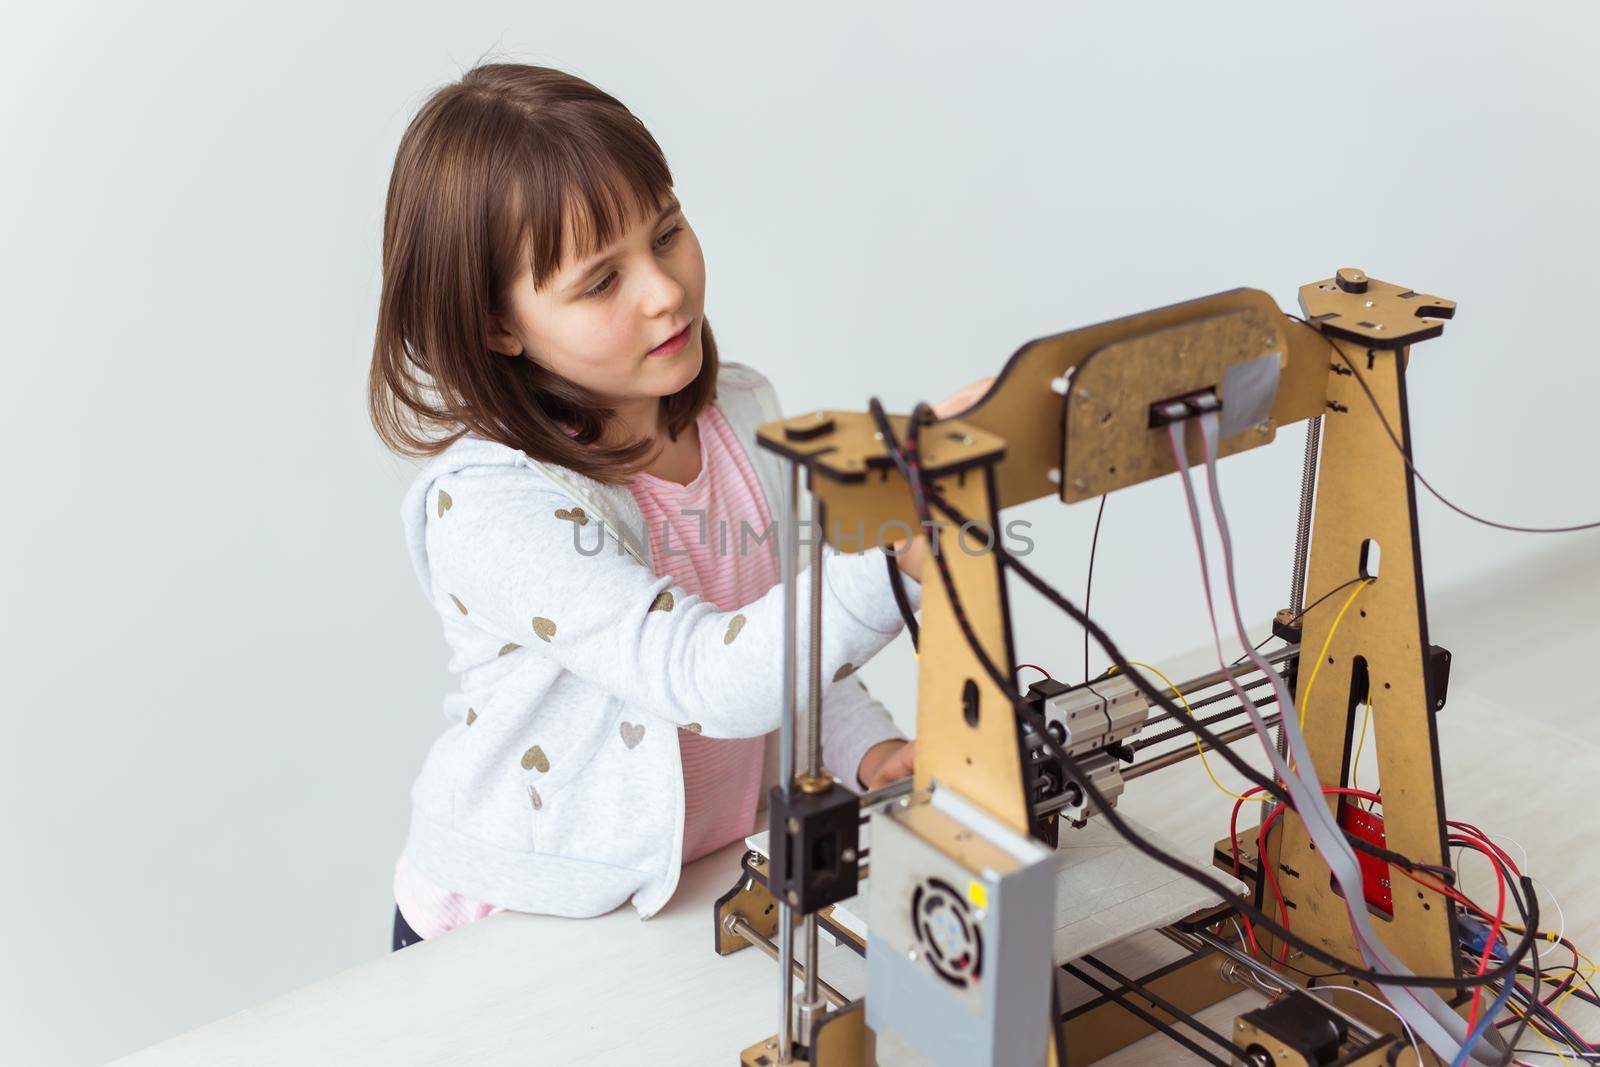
(506, 554)
(853, 721)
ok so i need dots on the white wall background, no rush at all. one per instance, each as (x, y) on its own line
(219, 676)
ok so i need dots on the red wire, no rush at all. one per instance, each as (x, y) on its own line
(1482, 844)
(1494, 928)
(1038, 668)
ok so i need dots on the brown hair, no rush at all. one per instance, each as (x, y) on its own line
(489, 172)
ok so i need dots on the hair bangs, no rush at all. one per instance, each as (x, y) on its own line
(594, 187)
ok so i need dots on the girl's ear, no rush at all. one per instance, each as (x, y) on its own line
(502, 340)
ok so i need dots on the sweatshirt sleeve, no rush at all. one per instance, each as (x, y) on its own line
(506, 549)
(852, 722)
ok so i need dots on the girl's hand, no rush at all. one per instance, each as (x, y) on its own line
(962, 398)
(910, 559)
(885, 762)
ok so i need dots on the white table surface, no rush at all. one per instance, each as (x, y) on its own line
(1521, 729)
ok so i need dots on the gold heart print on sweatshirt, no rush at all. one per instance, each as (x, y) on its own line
(632, 734)
(663, 602)
(534, 760)
(735, 624)
(533, 798)
(544, 628)
(844, 672)
(472, 716)
(508, 648)
(459, 605)
(575, 515)
(692, 727)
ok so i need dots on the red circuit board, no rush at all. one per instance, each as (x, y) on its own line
(1368, 826)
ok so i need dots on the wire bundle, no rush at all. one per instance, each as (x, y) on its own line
(1423, 1013)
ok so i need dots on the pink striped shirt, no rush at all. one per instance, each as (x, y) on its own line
(704, 535)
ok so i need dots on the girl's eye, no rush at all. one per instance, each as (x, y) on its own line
(666, 238)
(604, 285)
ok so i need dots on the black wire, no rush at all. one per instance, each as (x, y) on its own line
(1070, 766)
(1517, 901)
(1297, 616)
(912, 472)
(1088, 585)
(905, 459)
(897, 583)
(1405, 454)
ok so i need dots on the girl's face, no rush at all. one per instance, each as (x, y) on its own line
(595, 322)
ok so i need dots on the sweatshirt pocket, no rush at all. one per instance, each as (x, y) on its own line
(559, 752)
(623, 809)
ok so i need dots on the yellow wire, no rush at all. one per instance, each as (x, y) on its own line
(1583, 976)
(1197, 745)
(1355, 767)
(1553, 1047)
(1579, 972)
(1305, 697)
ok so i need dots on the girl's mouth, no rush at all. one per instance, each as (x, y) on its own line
(672, 344)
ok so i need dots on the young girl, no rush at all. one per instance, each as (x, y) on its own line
(594, 525)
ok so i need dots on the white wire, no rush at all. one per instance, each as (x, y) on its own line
(1380, 1003)
(1526, 866)
(1561, 930)
(1239, 931)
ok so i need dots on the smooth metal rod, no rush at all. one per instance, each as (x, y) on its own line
(1302, 538)
(1167, 759)
(893, 791)
(1140, 743)
(1202, 938)
(813, 752)
(811, 1005)
(736, 923)
(786, 966)
(788, 565)
(1244, 670)
(1302, 530)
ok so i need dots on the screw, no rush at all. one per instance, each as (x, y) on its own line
(1263, 427)
(848, 855)
(1079, 484)
(794, 825)
(794, 898)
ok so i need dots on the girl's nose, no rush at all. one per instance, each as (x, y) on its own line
(663, 294)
